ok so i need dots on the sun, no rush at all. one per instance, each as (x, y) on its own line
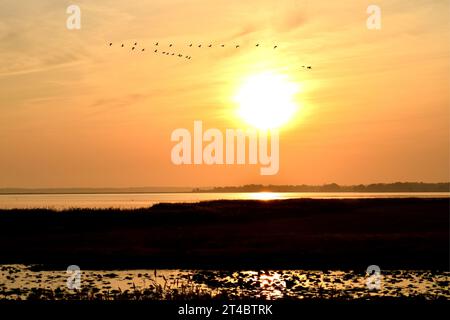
(266, 100)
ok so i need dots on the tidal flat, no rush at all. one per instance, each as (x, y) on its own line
(20, 282)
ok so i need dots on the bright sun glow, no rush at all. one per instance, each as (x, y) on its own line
(266, 100)
(265, 196)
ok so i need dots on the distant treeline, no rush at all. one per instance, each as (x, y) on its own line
(94, 190)
(333, 187)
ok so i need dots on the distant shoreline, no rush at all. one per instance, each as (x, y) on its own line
(411, 187)
(190, 192)
(333, 187)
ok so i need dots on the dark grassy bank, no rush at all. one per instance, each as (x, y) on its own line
(304, 233)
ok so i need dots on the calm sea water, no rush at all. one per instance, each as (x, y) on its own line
(141, 200)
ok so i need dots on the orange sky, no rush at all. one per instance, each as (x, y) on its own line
(75, 112)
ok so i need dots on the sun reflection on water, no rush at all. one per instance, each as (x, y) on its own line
(19, 281)
(265, 196)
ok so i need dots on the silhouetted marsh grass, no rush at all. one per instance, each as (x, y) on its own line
(241, 234)
(21, 282)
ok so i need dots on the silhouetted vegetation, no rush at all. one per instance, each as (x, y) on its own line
(333, 187)
(299, 233)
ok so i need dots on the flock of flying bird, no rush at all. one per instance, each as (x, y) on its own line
(167, 53)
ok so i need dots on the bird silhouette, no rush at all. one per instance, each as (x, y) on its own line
(223, 45)
(180, 55)
(309, 67)
(173, 54)
(163, 52)
(210, 46)
(237, 46)
(275, 47)
(143, 49)
(190, 45)
(257, 45)
(199, 45)
(156, 50)
(110, 44)
(156, 44)
(122, 45)
(132, 48)
(170, 45)
(167, 53)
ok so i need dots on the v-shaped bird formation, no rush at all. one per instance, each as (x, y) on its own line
(169, 51)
